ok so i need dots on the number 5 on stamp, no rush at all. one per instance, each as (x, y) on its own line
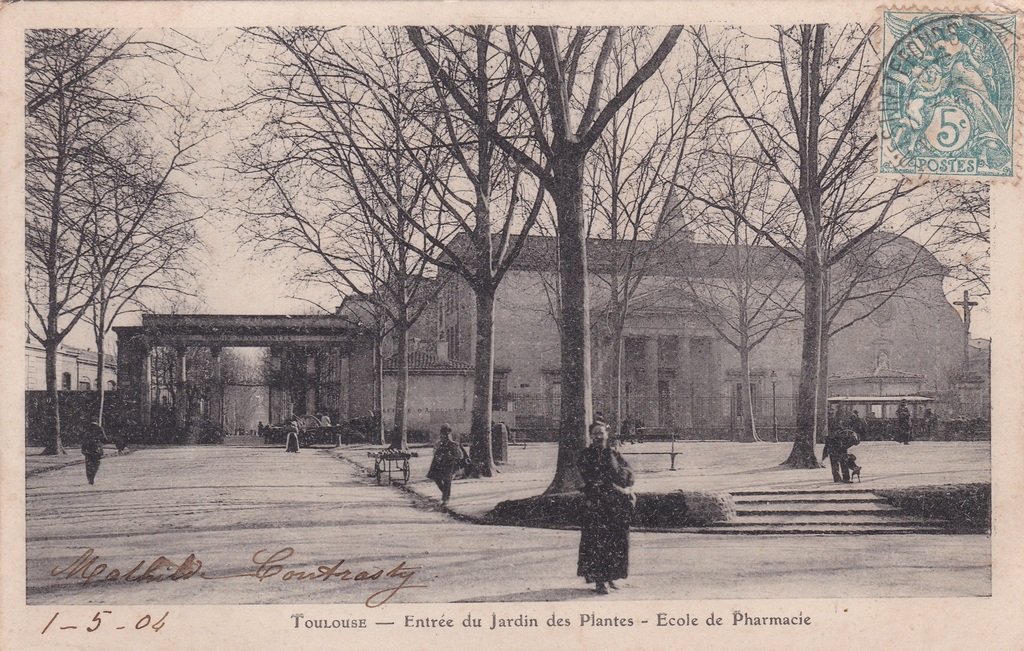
(948, 94)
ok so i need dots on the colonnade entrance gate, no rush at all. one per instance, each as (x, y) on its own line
(309, 362)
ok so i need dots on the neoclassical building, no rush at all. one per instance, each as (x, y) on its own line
(679, 370)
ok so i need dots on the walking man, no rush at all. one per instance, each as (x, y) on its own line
(93, 438)
(447, 459)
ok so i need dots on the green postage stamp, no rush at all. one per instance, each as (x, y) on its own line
(948, 94)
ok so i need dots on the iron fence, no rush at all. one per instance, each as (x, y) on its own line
(724, 417)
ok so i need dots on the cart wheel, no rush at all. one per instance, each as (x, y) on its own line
(405, 472)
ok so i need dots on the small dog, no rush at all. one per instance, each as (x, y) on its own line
(851, 463)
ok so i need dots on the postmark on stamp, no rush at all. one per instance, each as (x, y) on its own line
(948, 94)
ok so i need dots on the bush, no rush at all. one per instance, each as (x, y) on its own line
(684, 509)
(658, 510)
(967, 507)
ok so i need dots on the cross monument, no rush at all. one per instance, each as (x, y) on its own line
(967, 305)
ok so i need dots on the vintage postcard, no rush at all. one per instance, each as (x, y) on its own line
(511, 325)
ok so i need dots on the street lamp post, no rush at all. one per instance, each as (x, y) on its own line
(775, 420)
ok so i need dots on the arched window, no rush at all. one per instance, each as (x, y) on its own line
(84, 385)
(65, 381)
(111, 385)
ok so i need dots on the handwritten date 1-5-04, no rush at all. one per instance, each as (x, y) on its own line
(147, 621)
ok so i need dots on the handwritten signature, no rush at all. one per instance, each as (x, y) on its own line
(268, 565)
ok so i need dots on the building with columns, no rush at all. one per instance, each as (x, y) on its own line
(678, 370)
(174, 361)
(680, 367)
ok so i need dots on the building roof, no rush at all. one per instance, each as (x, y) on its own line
(677, 257)
(681, 255)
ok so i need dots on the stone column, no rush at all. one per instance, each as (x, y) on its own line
(133, 375)
(343, 387)
(274, 414)
(684, 384)
(311, 384)
(217, 395)
(651, 385)
(180, 387)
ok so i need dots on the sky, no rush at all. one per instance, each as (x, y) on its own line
(233, 277)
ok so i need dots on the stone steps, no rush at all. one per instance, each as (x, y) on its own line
(820, 512)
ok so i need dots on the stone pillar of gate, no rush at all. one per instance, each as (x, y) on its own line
(651, 385)
(180, 388)
(133, 375)
(311, 382)
(274, 415)
(343, 387)
(217, 392)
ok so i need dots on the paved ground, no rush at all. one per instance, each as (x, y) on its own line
(718, 466)
(225, 504)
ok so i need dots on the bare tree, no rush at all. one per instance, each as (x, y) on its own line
(744, 289)
(647, 148)
(563, 89)
(805, 100)
(343, 185)
(131, 269)
(477, 190)
(81, 113)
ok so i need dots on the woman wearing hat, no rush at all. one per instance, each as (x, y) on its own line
(292, 442)
(607, 512)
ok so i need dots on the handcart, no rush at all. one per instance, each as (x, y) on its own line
(391, 462)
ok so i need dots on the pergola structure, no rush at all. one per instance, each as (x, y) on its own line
(281, 334)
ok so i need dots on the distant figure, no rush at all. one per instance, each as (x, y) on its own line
(93, 438)
(292, 442)
(606, 514)
(639, 431)
(903, 423)
(831, 419)
(930, 423)
(853, 422)
(626, 433)
(448, 457)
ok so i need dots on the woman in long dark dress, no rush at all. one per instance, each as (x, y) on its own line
(292, 442)
(606, 514)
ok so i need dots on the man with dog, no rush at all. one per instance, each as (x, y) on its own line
(836, 446)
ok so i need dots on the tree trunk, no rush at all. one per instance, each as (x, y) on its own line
(400, 435)
(52, 404)
(747, 433)
(615, 357)
(483, 383)
(576, 389)
(100, 359)
(803, 455)
(378, 392)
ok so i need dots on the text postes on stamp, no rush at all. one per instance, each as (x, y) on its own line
(948, 94)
